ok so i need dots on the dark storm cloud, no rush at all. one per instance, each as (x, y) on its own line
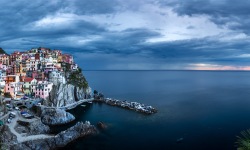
(222, 8)
(17, 18)
(221, 12)
(125, 42)
(201, 50)
(82, 33)
(186, 51)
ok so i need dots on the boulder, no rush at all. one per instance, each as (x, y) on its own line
(37, 127)
(53, 116)
(101, 125)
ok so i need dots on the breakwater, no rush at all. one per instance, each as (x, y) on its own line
(142, 108)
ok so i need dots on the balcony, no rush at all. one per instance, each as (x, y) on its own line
(26, 87)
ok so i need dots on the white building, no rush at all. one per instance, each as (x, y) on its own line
(56, 77)
(3, 67)
(2, 78)
(74, 66)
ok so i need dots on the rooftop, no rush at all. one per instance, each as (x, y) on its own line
(28, 79)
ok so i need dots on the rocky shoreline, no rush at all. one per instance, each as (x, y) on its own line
(51, 112)
(26, 122)
(128, 105)
(58, 141)
(53, 116)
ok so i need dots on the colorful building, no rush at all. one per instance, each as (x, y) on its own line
(12, 85)
(29, 85)
(43, 88)
(34, 71)
(4, 58)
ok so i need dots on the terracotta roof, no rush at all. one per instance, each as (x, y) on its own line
(28, 79)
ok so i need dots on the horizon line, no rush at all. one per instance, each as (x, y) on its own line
(161, 70)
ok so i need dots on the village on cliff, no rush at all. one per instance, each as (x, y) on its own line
(36, 88)
(33, 86)
(33, 72)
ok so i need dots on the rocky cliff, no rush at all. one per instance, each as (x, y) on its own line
(63, 138)
(65, 94)
(53, 116)
(33, 128)
(6, 137)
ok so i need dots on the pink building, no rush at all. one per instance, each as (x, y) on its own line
(43, 88)
(25, 57)
(67, 58)
(9, 71)
(13, 86)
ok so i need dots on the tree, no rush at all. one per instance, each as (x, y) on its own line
(2, 51)
(77, 78)
(95, 92)
(243, 141)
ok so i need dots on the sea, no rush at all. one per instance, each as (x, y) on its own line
(197, 110)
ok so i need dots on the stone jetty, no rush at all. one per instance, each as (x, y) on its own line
(128, 105)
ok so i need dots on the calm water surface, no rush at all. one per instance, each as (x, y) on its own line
(207, 109)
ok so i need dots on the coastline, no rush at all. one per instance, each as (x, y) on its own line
(80, 129)
(40, 139)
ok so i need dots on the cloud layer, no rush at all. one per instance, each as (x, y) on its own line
(142, 34)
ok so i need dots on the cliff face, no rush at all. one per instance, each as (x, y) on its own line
(65, 94)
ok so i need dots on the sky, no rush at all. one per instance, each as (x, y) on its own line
(133, 34)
